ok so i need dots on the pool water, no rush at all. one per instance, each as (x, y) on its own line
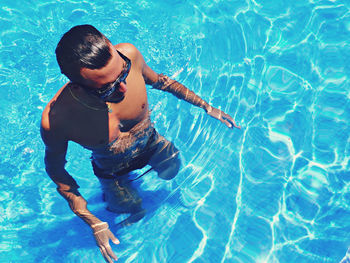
(278, 190)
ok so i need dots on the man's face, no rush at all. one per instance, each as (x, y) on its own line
(101, 79)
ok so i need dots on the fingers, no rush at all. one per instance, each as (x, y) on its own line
(116, 241)
(113, 238)
(228, 124)
(108, 253)
(105, 255)
(223, 117)
(229, 121)
(225, 122)
(102, 238)
(111, 253)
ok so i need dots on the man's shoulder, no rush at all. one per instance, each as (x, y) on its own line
(127, 48)
(46, 122)
(130, 51)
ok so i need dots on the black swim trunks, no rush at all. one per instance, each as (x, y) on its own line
(142, 145)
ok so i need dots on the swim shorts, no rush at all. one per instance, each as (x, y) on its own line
(150, 148)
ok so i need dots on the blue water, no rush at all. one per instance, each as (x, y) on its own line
(276, 191)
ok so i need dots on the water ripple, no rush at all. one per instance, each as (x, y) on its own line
(275, 191)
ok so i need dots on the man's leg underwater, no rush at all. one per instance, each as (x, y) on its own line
(166, 160)
(122, 197)
(119, 194)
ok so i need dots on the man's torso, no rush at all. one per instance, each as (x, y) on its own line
(84, 119)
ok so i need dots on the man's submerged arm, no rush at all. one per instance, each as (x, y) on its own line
(55, 153)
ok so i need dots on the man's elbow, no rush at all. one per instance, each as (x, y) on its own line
(54, 163)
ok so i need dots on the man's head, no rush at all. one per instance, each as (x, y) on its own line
(82, 47)
(87, 57)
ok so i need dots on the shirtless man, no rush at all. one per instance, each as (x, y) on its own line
(104, 108)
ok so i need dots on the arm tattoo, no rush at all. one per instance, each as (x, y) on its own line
(167, 84)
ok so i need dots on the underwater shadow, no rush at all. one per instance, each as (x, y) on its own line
(57, 240)
(151, 202)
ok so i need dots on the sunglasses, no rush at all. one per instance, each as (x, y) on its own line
(106, 92)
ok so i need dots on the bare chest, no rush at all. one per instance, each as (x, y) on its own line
(95, 129)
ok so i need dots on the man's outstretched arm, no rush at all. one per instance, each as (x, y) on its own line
(163, 82)
(179, 90)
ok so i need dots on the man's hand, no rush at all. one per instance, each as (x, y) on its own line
(102, 235)
(223, 117)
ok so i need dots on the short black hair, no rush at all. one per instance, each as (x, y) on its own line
(82, 46)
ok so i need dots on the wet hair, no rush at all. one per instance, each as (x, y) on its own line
(82, 46)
